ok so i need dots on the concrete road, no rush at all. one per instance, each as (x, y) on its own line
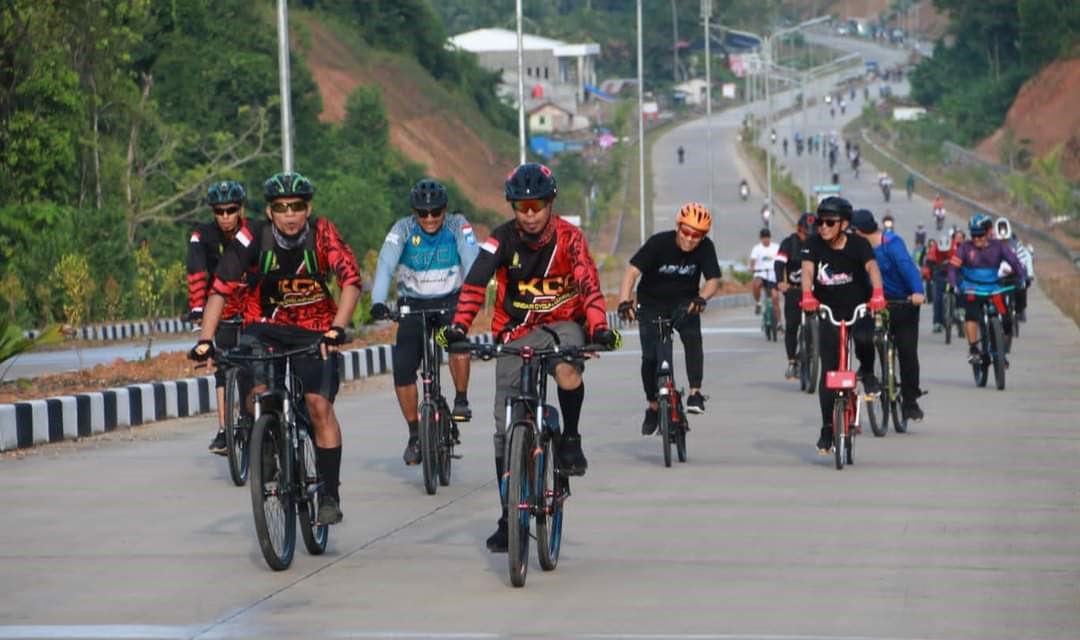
(37, 363)
(966, 528)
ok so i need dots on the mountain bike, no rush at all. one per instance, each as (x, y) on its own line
(807, 354)
(238, 422)
(768, 312)
(534, 488)
(438, 433)
(285, 483)
(991, 340)
(888, 363)
(671, 418)
(848, 404)
(948, 314)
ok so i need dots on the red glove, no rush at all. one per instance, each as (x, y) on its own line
(877, 300)
(926, 273)
(809, 303)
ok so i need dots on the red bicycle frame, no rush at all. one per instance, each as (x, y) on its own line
(843, 380)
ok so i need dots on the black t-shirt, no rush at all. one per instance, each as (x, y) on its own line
(789, 261)
(840, 278)
(670, 275)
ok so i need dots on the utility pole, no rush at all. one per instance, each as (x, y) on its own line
(768, 121)
(641, 125)
(675, 42)
(706, 15)
(521, 87)
(284, 85)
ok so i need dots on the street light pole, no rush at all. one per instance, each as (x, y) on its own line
(706, 14)
(284, 86)
(641, 126)
(768, 121)
(521, 87)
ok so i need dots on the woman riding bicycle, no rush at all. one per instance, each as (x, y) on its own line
(671, 265)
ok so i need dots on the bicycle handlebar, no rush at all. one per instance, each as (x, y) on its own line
(233, 356)
(404, 311)
(489, 351)
(825, 312)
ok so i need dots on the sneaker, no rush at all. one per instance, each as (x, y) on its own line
(912, 411)
(648, 425)
(329, 510)
(498, 542)
(869, 383)
(824, 442)
(792, 371)
(938, 327)
(412, 451)
(695, 403)
(571, 458)
(218, 445)
(757, 308)
(461, 412)
(974, 357)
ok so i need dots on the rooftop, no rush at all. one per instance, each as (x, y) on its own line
(483, 40)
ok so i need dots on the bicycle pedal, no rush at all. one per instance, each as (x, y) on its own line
(456, 456)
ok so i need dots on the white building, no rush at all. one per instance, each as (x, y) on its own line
(694, 91)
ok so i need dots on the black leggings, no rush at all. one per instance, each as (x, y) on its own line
(792, 320)
(689, 328)
(829, 347)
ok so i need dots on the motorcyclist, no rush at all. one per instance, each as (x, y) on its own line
(744, 189)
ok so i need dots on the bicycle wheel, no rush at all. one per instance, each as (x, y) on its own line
(429, 456)
(680, 437)
(813, 362)
(839, 413)
(880, 428)
(445, 446)
(315, 535)
(549, 518)
(981, 369)
(663, 415)
(871, 411)
(237, 429)
(997, 342)
(519, 502)
(948, 310)
(898, 419)
(271, 492)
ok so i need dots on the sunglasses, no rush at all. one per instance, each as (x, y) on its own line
(523, 206)
(226, 211)
(282, 207)
(428, 213)
(691, 234)
(826, 222)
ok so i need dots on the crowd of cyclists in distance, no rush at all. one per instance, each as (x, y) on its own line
(263, 282)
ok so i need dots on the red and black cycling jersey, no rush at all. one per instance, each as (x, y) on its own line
(287, 286)
(537, 285)
(788, 263)
(205, 248)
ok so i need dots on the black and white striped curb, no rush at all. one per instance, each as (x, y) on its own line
(126, 330)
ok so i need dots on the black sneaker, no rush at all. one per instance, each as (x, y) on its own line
(824, 442)
(912, 411)
(218, 445)
(648, 425)
(498, 542)
(571, 458)
(974, 357)
(695, 403)
(329, 510)
(792, 371)
(412, 451)
(461, 412)
(869, 383)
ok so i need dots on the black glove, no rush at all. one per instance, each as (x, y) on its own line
(202, 351)
(697, 305)
(380, 311)
(194, 316)
(626, 310)
(334, 336)
(450, 334)
(609, 338)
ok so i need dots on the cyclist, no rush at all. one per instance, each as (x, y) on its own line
(208, 241)
(428, 253)
(744, 189)
(888, 224)
(671, 265)
(901, 281)
(1004, 232)
(935, 269)
(909, 185)
(762, 257)
(788, 268)
(288, 304)
(973, 272)
(547, 289)
(838, 268)
(681, 153)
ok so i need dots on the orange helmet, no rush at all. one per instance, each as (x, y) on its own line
(694, 215)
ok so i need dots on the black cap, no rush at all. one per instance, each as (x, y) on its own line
(864, 221)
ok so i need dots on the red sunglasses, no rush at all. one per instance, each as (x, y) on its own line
(523, 206)
(692, 234)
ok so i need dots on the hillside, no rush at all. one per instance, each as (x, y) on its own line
(1045, 113)
(427, 123)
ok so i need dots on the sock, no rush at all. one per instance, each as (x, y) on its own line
(414, 428)
(570, 404)
(461, 397)
(329, 463)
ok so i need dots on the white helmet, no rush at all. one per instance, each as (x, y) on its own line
(1003, 228)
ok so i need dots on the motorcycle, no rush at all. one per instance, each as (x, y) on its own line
(939, 218)
(765, 216)
(744, 191)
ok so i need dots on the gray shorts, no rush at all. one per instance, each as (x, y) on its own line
(508, 369)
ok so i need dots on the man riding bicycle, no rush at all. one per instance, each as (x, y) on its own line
(973, 272)
(429, 254)
(762, 257)
(670, 265)
(547, 293)
(1004, 232)
(208, 242)
(788, 267)
(839, 269)
(289, 259)
(901, 281)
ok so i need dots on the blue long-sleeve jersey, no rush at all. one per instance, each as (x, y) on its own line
(426, 265)
(899, 273)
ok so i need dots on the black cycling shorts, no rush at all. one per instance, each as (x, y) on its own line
(226, 337)
(408, 349)
(315, 375)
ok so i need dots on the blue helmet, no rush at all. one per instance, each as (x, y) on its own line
(225, 192)
(980, 224)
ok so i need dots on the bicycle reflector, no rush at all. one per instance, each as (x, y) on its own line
(839, 380)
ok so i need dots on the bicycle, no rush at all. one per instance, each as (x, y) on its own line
(671, 418)
(889, 366)
(951, 314)
(768, 312)
(992, 341)
(237, 422)
(285, 480)
(534, 488)
(807, 354)
(438, 433)
(847, 407)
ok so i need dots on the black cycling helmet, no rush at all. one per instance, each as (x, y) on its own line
(806, 221)
(225, 192)
(835, 205)
(427, 195)
(531, 180)
(980, 224)
(288, 185)
(764, 233)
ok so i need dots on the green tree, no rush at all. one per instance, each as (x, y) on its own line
(76, 286)
(148, 277)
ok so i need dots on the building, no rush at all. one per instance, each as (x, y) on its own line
(693, 91)
(556, 72)
(550, 117)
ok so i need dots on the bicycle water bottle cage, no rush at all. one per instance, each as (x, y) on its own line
(551, 419)
(839, 380)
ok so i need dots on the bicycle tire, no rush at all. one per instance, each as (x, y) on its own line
(445, 446)
(997, 341)
(813, 361)
(237, 431)
(518, 503)
(871, 411)
(314, 535)
(680, 438)
(549, 518)
(271, 492)
(882, 428)
(900, 422)
(429, 457)
(839, 437)
(948, 311)
(663, 416)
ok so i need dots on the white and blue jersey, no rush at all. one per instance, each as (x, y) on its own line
(426, 266)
